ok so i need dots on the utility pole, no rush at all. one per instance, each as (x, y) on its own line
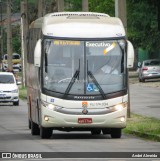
(120, 11)
(24, 32)
(1, 33)
(60, 4)
(41, 8)
(85, 5)
(9, 36)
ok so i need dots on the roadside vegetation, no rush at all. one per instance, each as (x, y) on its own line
(144, 127)
(22, 93)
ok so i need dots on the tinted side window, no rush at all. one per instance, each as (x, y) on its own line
(34, 35)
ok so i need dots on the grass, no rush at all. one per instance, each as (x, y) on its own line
(22, 93)
(145, 127)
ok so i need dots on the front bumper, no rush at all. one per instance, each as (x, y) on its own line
(60, 120)
(150, 75)
(9, 97)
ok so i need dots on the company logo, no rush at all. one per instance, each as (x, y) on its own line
(84, 104)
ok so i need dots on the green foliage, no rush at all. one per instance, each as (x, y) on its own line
(143, 24)
(16, 45)
(142, 16)
(144, 127)
(102, 6)
(16, 39)
(15, 6)
(73, 5)
(23, 93)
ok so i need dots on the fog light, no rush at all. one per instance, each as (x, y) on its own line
(46, 118)
(122, 119)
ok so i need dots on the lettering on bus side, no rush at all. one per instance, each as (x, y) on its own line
(84, 97)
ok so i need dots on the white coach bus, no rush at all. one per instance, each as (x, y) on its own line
(77, 74)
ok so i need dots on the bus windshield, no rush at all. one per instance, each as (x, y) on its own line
(84, 67)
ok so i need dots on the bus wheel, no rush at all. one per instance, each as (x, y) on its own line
(96, 131)
(45, 133)
(34, 129)
(116, 133)
(16, 103)
(29, 123)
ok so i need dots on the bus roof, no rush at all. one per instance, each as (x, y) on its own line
(80, 25)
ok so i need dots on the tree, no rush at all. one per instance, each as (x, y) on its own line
(73, 5)
(16, 39)
(103, 6)
(143, 24)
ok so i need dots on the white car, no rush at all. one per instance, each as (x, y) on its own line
(9, 91)
(149, 69)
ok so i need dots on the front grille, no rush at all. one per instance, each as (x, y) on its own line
(2, 98)
(6, 91)
(79, 111)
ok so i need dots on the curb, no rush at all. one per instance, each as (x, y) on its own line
(133, 74)
(144, 135)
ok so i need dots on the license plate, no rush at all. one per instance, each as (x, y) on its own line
(84, 120)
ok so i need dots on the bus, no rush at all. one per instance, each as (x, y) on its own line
(77, 74)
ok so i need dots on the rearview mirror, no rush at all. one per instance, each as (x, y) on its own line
(130, 55)
(37, 53)
(139, 64)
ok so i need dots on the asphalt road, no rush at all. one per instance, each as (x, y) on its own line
(145, 100)
(16, 137)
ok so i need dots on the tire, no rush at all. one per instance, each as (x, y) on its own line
(96, 131)
(116, 133)
(29, 123)
(34, 129)
(45, 133)
(16, 103)
(140, 80)
(143, 80)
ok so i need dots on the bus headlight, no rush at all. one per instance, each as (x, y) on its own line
(50, 106)
(118, 107)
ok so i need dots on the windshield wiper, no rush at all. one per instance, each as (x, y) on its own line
(75, 76)
(122, 60)
(90, 74)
